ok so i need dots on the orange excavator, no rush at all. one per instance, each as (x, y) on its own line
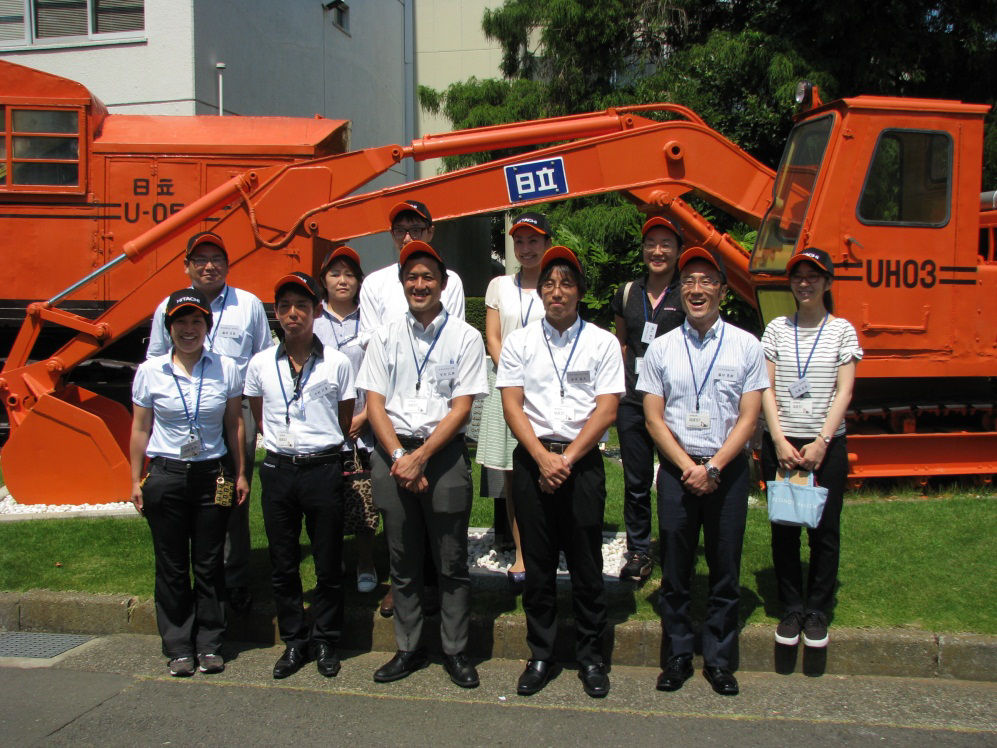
(890, 187)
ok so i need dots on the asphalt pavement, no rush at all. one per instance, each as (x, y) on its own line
(115, 690)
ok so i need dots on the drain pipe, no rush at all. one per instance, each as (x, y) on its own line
(220, 67)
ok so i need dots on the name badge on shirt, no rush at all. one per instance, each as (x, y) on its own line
(229, 331)
(445, 371)
(562, 414)
(800, 387)
(801, 406)
(639, 365)
(697, 420)
(191, 449)
(577, 377)
(284, 439)
(321, 390)
(727, 373)
(415, 405)
(650, 332)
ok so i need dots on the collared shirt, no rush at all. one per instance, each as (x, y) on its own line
(739, 368)
(667, 315)
(344, 335)
(382, 299)
(455, 367)
(239, 327)
(154, 387)
(516, 306)
(596, 368)
(310, 422)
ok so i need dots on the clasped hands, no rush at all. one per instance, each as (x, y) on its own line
(408, 472)
(808, 457)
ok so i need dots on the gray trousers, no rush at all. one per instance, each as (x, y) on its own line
(237, 543)
(442, 513)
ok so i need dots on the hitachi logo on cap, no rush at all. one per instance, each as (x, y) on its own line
(187, 299)
(811, 255)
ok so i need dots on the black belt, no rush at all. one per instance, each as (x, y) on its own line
(315, 458)
(701, 460)
(186, 466)
(414, 442)
(555, 446)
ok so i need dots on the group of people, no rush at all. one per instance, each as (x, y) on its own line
(386, 367)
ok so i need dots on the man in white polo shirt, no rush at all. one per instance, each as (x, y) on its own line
(240, 331)
(703, 383)
(422, 371)
(302, 394)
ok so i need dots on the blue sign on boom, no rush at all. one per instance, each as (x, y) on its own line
(536, 179)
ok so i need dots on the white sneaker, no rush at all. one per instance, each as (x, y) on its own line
(182, 667)
(211, 663)
(366, 581)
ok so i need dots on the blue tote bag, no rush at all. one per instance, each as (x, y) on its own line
(795, 500)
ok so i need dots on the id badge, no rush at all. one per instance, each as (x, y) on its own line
(697, 420)
(801, 406)
(192, 448)
(799, 388)
(562, 414)
(415, 405)
(445, 371)
(229, 331)
(639, 365)
(284, 439)
(650, 332)
(577, 377)
(321, 390)
(727, 373)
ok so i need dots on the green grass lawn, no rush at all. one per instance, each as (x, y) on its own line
(924, 563)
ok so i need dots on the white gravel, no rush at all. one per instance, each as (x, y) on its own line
(484, 558)
(8, 506)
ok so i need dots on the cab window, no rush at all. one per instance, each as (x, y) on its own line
(40, 149)
(909, 180)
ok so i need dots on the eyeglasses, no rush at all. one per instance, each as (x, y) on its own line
(705, 282)
(811, 278)
(202, 262)
(655, 245)
(415, 232)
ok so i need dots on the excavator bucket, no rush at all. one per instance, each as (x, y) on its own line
(71, 448)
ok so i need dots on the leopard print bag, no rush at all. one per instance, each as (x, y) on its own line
(359, 512)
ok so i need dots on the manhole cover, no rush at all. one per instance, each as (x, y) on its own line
(42, 646)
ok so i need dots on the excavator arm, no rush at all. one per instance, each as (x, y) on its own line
(655, 162)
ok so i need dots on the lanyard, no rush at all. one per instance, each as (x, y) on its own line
(218, 322)
(299, 382)
(796, 335)
(419, 367)
(692, 369)
(561, 375)
(197, 408)
(650, 316)
(356, 331)
(519, 284)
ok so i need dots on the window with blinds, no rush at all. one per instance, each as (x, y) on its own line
(40, 149)
(44, 21)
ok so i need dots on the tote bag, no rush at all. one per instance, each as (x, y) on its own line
(794, 499)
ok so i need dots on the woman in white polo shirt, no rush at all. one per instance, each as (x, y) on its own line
(182, 400)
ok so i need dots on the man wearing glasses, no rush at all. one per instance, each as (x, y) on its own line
(381, 296)
(240, 330)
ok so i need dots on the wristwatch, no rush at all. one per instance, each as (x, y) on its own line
(397, 455)
(827, 439)
(713, 471)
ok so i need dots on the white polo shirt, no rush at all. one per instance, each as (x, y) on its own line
(239, 328)
(214, 380)
(738, 366)
(344, 336)
(536, 358)
(382, 299)
(301, 414)
(451, 357)
(516, 306)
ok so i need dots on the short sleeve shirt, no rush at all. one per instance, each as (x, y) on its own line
(344, 336)
(382, 299)
(836, 345)
(636, 312)
(516, 306)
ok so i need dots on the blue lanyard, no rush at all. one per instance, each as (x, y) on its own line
(299, 383)
(649, 316)
(197, 408)
(692, 369)
(356, 331)
(519, 284)
(796, 335)
(218, 322)
(563, 374)
(419, 367)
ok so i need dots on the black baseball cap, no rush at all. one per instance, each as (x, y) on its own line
(186, 298)
(818, 257)
(304, 282)
(536, 221)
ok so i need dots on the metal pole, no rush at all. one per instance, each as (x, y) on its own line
(220, 67)
(83, 281)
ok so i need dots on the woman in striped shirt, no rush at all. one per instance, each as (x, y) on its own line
(811, 359)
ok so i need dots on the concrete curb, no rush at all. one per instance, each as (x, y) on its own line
(893, 652)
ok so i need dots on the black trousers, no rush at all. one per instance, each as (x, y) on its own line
(721, 515)
(568, 520)
(313, 492)
(188, 533)
(825, 539)
(637, 454)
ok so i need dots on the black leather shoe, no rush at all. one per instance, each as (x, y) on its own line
(290, 662)
(402, 665)
(461, 671)
(595, 681)
(677, 671)
(722, 680)
(327, 659)
(535, 677)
